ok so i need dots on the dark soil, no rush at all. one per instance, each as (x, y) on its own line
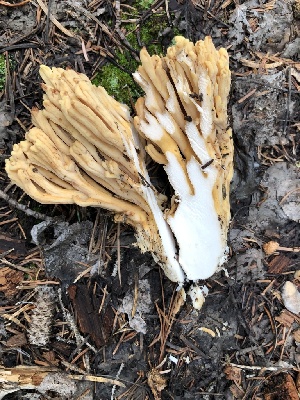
(243, 342)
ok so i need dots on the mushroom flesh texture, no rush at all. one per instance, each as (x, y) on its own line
(86, 149)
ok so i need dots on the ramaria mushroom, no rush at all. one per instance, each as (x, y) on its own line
(84, 149)
(183, 118)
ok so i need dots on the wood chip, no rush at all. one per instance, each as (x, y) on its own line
(298, 381)
(295, 74)
(17, 340)
(233, 374)
(296, 335)
(278, 264)
(99, 379)
(281, 386)
(207, 330)
(23, 377)
(285, 318)
(50, 357)
(18, 246)
(156, 382)
(9, 280)
(259, 65)
(237, 392)
(86, 306)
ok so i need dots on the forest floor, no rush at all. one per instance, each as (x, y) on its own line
(66, 324)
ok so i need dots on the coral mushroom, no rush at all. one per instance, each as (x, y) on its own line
(183, 117)
(85, 149)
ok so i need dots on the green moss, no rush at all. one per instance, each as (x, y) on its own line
(12, 65)
(144, 4)
(118, 84)
(115, 80)
(118, 81)
(2, 71)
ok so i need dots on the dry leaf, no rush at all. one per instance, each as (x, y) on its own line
(233, 374)
(17, 340)
(9, 280)
(157, 382)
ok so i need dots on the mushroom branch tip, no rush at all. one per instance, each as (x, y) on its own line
(86, 149)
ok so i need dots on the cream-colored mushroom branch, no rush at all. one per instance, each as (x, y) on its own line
(183, 118)
(84, 149)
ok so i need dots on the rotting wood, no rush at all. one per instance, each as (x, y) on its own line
(286, 318)
(9, 280)
(281, 386)
(278, 264)
(86, 306)
(15, 247)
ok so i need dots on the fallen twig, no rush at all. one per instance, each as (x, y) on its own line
(23, 208)
(93, 378)
(54, 20)
(259, 368)
(24, 377)
(7, 4)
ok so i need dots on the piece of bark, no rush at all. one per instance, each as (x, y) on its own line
(49, 356)
(17, 340)
(14, 379)
(86, 306)
(62, 348)
(237, 392)
(7, 243)
(278, 264)
(298, 381)
(157, 382)
(296, 335)
(281, 386)
(41, 318)
(286, 318)
(9, 280)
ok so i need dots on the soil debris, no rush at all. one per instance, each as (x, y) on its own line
(244, 342)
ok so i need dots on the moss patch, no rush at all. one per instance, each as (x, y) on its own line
(118, 84)
(115, 80)
(2, 71)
